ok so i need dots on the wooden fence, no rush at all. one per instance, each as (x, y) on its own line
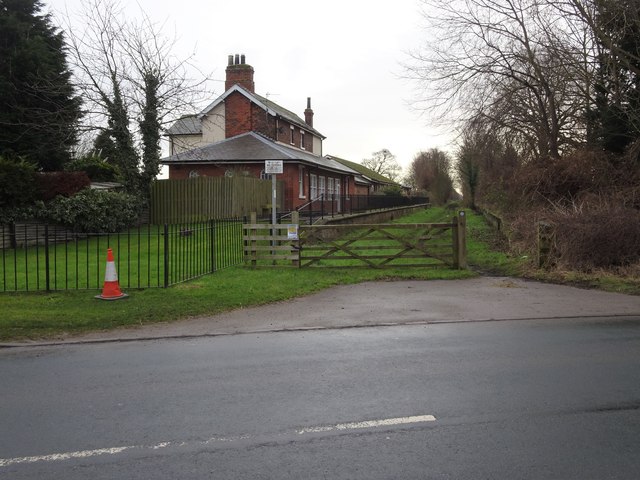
(204, 198)
(389, 245)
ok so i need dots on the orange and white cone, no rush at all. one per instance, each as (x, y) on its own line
(111, 289)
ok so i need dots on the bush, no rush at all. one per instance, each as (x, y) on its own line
(18, 186)
(606, 236)
(95, 167)
(95, 211)
(393, 190)
(52, 184)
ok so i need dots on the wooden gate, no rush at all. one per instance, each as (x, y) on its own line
(390, 245)
(384, 245)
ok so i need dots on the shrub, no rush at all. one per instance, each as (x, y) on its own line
(52, 184)
(95, 211)
(18, 186)
(392, 190)
(600, 237)
(95, 167)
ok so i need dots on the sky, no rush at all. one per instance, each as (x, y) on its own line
(346, 55)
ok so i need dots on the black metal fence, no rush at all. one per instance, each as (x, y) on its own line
(37, 257)
(332, 205)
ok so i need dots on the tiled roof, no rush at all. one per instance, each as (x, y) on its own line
(366, 172)
(252, 147)
(188, 125)
(265, 103)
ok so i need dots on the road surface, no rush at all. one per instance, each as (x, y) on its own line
(525, 399)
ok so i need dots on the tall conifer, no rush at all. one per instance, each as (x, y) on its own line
(39, 108)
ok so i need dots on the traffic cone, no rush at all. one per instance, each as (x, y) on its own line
(111, 289)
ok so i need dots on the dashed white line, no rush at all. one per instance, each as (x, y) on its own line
(54, 457)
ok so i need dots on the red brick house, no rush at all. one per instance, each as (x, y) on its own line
(240, 130)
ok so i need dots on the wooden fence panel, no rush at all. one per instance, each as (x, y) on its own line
(203, 198)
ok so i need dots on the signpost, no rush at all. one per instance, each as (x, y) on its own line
(273, 167)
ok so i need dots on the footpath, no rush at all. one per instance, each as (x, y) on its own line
(391, 303)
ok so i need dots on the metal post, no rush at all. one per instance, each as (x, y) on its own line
(166, 255)
(46, 257)
(213, 244)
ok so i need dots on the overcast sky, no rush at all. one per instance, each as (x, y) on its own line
(344, 54)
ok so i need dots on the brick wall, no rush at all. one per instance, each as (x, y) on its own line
(238, 115)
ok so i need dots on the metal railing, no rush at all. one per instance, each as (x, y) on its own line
(37, 257)
(333, 205)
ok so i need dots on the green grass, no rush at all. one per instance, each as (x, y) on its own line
(47, 315)
(139, 253)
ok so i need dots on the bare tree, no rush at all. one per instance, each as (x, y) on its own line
(431, 171)
(133, 85)
(505, 61)
(385, 163)
(485, 164)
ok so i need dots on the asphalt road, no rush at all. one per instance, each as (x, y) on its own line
(538, 399)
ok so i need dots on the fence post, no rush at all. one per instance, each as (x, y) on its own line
(460, 240)
(213, 244)
(47, 279)
(295, 219)
(166, 255)
(254, 243)
(545, 242)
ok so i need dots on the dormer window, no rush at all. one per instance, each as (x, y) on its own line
(302, 139)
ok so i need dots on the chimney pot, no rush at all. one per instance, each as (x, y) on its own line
(239, 73)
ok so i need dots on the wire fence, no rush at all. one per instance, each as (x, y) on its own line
(37, 257)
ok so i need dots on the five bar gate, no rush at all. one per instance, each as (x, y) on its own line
(390, 245)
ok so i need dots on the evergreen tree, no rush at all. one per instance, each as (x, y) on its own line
(38, 106)
(617, 102)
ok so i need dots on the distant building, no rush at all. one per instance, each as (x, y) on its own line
(240, 129)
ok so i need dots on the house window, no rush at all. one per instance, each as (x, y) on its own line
(293, 142)
(321, 186)
(302, 139)
(313, 181)
(300, 181)
(194, 174)
(264, 175)
(330, 188)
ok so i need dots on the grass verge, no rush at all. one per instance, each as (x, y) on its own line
(51, 315)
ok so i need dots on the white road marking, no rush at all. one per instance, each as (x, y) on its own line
(5, 462)
(370, 424)
(55, 457)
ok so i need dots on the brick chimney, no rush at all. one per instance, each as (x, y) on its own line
(238, 72)
(308, 113)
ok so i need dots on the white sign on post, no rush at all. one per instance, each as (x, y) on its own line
(273, 166)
